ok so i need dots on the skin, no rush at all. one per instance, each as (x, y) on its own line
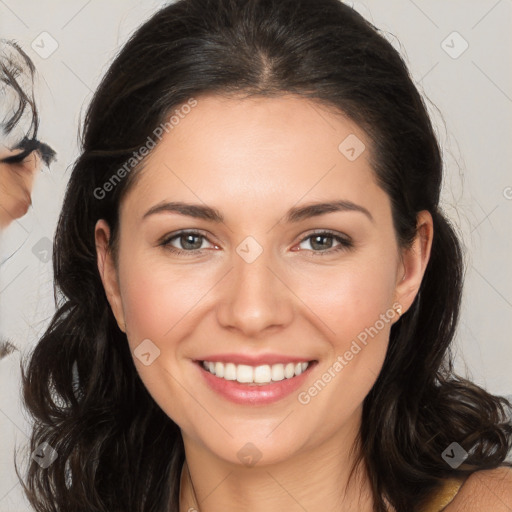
(16, 183)
(253, 160)
(485, 490)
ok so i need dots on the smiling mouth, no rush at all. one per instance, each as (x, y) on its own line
(256, 375)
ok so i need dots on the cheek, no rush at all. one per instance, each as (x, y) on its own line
(159, 305)
(14, 194)
(354, 306)
(10, 182)
(158, 299)
(351, 297)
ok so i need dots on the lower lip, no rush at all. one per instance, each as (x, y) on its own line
(254, 394)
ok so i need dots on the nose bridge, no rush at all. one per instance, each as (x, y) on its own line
(255, 299)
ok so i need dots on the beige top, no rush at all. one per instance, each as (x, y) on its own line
(444, 496)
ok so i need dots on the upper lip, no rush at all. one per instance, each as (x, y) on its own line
(255, 360)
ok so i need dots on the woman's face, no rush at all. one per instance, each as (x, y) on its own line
(16, 181)
(253, 285)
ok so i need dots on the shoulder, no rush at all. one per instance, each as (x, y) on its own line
(485, 490)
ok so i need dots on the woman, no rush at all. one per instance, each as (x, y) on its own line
(21, 154)
(258, 288)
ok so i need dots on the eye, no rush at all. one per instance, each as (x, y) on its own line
(191, 243)
(322, 242)
(17, 159)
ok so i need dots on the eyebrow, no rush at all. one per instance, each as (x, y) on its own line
(295, 214)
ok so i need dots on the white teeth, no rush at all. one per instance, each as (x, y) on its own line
(229, 371)
(219, 369)
(289, 370)
(263, 374)
(277, 372)
(244, 373)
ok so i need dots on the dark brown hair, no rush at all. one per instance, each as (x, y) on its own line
(117, 450)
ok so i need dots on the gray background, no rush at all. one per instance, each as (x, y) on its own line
(472, 90)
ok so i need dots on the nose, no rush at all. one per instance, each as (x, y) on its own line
(255, 298)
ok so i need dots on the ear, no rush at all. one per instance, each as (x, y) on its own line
(414, 261)
(108, 271)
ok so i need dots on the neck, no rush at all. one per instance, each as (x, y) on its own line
(314, 480)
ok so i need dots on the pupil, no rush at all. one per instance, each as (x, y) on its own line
(322, 239)
(187, 243)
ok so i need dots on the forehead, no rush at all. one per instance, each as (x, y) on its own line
(257, 149)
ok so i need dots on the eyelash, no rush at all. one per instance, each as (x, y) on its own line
(344, 243)
(17, 159)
